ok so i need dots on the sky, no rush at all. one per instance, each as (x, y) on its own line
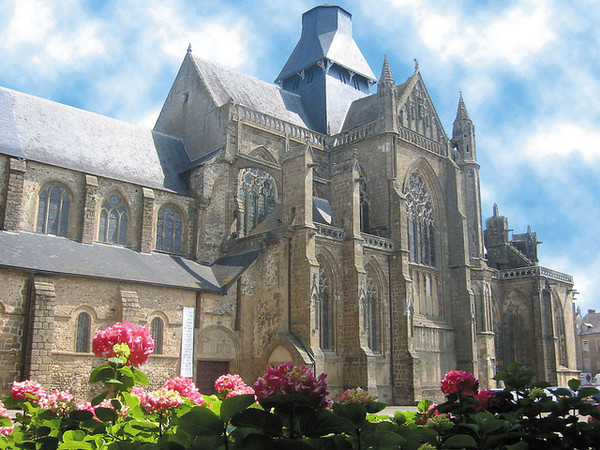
(529, 72)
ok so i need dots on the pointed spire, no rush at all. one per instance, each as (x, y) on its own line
(386, 79)
(461, 113)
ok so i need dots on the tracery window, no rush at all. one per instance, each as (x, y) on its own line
(372, 315)
(53, 210)
(326, 310)
(168, 230)
(421, 225)
(559, 320)
(256, 194)
(82, 333)
(113, 220)
(157, 327)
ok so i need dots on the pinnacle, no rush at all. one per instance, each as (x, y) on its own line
(461, 113)
(386, 73)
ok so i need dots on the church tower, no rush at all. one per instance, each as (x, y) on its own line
(326, 68)
(463, 140)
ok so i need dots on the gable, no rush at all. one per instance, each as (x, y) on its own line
(416, 111)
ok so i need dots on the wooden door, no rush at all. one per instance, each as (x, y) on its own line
(207, 372)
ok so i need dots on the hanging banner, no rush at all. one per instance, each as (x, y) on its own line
(187, 343)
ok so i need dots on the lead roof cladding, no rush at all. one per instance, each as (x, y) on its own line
(44, 131)
(326, 33)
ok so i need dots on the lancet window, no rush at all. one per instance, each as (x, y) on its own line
(82, 333)
(326, 310)
(559, 321)
(372, 315)
(421, 224)
(364, 207)
(168, 230)
(113, 220)
(53, 210)
(157, 327)
(256, 195)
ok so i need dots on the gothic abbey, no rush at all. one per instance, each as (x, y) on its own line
(311, 221)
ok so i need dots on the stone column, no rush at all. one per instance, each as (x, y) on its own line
(130, 306)
(89, 212)
(14, 194)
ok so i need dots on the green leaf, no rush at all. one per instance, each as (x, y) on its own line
(73, 435)
(75, 445)
(586, 391)
(106, 414)
(233, 405)
(201, 421)
(423, 405)
(81, 416)
(574, 384)
(388, 439)
(283, 401)
(323, 422)
(375, 407)
(140, 377)
(99, 398)
(354, 412)
(268, 423)
(460, 441)
(522, 445)
(101, 373)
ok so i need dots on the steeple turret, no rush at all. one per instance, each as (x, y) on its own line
(326, 68)
(463, 132)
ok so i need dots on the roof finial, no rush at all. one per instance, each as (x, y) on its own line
(461, 112)
(386, 79)
(416, 65)
(189, 48)
(495, 210)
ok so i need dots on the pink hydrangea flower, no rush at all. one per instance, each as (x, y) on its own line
(459, 382)
(488, 400)
(356, 396)
(20, 389)
(4, 413)
(289, 379)
(59, 402)
(231, 385)
(160, 400)
(137, 337)
(186, 388)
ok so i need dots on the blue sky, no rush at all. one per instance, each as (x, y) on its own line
(529, 71)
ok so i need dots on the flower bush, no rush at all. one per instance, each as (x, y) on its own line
(293, 411)
(109, 343)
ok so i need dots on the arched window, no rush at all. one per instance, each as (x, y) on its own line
(364, 207)
(113, 220)
(372, 315)
(168, 230)
(82, 333)
(256, 194)
(421, 229)
(559, 321)
(326, 311)
(156, 330)
(53, 210)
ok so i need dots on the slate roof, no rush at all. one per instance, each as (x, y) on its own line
(593, 319)
(326, 33)
(44, 131)
(225, 84)
(58, 255)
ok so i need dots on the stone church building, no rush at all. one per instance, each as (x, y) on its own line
(327, 219)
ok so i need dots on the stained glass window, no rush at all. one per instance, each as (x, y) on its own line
(421, 229)
(113, 220)
(256, 194)
(168, 230)
(53, 210)
(82, 333)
